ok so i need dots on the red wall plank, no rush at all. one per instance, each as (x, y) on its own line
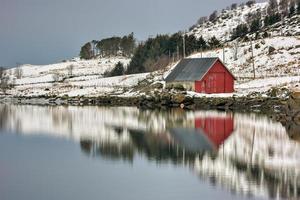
(217, 80)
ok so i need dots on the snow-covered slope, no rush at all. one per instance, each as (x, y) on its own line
(274, 56)
(76, 77)
(228, 20)
(276, 68)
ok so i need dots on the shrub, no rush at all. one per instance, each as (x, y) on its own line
(169, 87)
(179, 87)
(233, 6)
(250, 3)
(240, 31)
(213, 16)
(255, 25)
(272, 19)
(118, 70)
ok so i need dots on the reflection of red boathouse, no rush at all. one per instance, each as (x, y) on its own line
(209, 132)
(216, 128)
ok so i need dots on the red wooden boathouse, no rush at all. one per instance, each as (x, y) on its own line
(203, 75)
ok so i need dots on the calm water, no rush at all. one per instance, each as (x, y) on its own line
(125, 153)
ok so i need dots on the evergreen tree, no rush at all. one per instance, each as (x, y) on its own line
(86, 51)
(240, 31)
(233, 6)
(255, 25)
(118, 70)
(214, 42)
(136, 64)
(157, 52)
(272, 19)
(292, 9)
(202, 43)
(128, 45)
(213, 16)
(250, 3)
(273, 7)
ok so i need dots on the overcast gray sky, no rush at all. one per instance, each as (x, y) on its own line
(47, 31)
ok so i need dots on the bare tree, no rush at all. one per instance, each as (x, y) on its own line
(4, 85)
(1, 72)
(18, 72)
(55, 77)
(235, 50)
(70, 69)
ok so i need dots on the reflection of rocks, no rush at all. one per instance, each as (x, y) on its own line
(293, 130)
(291, 118)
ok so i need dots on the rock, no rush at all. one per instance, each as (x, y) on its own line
(178, 98)
(293, 130)
(293, 104)
(157, 86)
(271, 49)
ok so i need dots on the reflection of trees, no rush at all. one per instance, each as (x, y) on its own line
(106, 150)
(4, 115)
(161, 149)
(152, 146)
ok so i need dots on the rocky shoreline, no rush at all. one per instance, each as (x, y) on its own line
(286, 111)
(264, 105)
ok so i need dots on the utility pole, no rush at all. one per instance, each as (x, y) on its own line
(224, 55)
(184, 46)
(253, 66)
(201, 51)
(282, 20)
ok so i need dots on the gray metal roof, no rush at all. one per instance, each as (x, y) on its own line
(191, 69)
(192, 140)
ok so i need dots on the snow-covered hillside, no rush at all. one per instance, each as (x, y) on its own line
(228, 20)
(73, 78)
(275, 56)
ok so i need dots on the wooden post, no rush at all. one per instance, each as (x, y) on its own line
(253, 66)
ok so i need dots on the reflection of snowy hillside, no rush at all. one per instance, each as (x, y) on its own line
(258, 158)
(264, 150)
